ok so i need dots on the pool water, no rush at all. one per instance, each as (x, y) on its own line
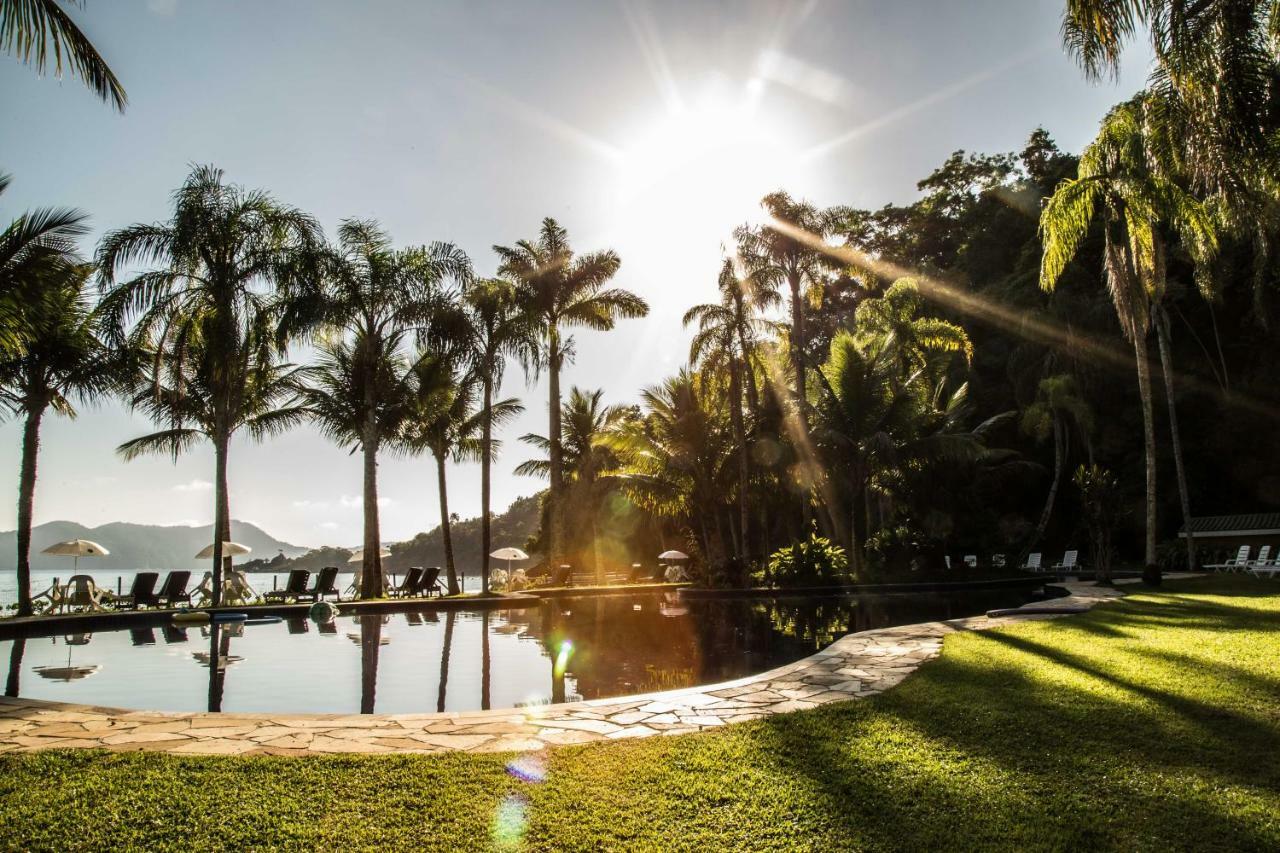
(422, 659)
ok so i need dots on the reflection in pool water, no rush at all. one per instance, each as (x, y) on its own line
(421, 659)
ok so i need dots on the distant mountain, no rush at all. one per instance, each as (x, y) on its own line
(511, 529)
(136, 546)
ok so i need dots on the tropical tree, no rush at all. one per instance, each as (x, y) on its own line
(1138, 203)
(894, 321)
(359, 393)
(444, 419)
(378, 297)
(1059, 408)
(557, 290)
(38, 246)
(500, 331)
(726, 340)
(211, 293)
(32, 30)
(64, 360)
(588, 428)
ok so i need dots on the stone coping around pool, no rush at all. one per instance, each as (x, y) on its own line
(854, 666)
(1029, 581)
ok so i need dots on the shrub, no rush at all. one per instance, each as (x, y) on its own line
(815, 562)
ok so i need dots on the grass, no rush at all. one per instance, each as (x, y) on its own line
(1152, 723)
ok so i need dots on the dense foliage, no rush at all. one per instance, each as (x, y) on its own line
(812, 562)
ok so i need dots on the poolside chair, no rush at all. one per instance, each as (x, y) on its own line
(947, 560)
(1262, 560)
(1232, 564)
(295, 587)
(410, 584)
(174, 589)
(141, 594)
(430, 582)
(1068, 562)
(325, 586)
(636, 571)
(1270, 568)
(563, 576)
(971, 561)
(82, 593)
(1033, 562)
(997, 561)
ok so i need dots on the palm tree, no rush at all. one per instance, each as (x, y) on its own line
(377, 296)
(445, 420)
(1058, 407)
(1137, 202)
(359, 393)
(65, 359)
(894, 320)
(587, 429)
(181, 391)
(37, 246)
(500, 330)
(32, 29)
(556, 290)
(726, 336)
(210, 295)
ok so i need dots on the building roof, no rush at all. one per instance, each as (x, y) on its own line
(1250, 524)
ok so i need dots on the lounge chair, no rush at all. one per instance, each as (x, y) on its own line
(325, 586)
(971, 561)
(1068, 562)
(1232, 564)
(430, 582)
(563, 576)
(174, 589)
(997, 561)
(294, 588)
(1270, 568)
(1262, 560)
(410, 584)
(141, 594)
(1033, 562)
(637, 571)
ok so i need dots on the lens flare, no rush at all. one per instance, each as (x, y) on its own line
(530, 767)
(562, 659)
(510, 822)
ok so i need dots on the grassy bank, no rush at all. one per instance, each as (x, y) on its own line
(1153, 723)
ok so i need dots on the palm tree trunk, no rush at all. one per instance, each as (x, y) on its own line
(797, 340)
(444, 660)
(855, 544)
(740, 435)
(221, 510)
(1059, 462)
(13, 684)
(486, 461)
(1151, 570)
(595, 548)
(1166, 367)
(485, 676)
(370, 646)
(371, 565)
(555, 541)
(26, 504)
(446, 531)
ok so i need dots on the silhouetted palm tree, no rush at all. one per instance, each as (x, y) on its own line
(211, 294)
(557, 290)
(1057, 409)
(41, 34)
(65, 359)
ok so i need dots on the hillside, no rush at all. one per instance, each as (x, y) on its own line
(136, 546)
(510, 529)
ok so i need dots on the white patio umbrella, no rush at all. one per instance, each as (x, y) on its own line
(509, 554)
(673, 555)
(229, 549)
(76, 548)
(358, 555)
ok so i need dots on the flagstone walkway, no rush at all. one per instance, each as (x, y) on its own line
(854, 666)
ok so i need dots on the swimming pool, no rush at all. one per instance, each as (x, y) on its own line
(422, 658)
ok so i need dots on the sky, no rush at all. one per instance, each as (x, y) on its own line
(652, 128)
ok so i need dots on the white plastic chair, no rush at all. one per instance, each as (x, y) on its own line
(81, 593)
(1232, 564)
(971, 560)
(1033, 562)
(1068, 561)
(1262, 560)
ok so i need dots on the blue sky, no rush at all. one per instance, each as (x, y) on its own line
(648, 127)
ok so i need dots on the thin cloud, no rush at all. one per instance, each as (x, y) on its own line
(194, 486)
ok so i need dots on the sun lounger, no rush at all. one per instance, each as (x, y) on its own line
(1068, 562)
(1232, 564)
(637, 571)
(174, 589)
(325, 586)
(1270, 568)
(563, 576)
(141, 594)
(971, 561)
(1033, 562)
(295, 587)
(997, 561)
(1262, 560)
(410, 584)
(430, 582)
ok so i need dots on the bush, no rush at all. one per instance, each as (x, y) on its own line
(816, 562)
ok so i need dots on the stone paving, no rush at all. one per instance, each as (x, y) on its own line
(854, 666)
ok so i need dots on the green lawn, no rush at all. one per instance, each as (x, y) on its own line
(1152, 723)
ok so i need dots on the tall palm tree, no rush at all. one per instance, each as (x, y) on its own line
(444, 419)
(1138, 203)
(180, 390)
(378, 297)
(215, 268)
(65, 359)
(359, 393)
(894, 320)
(31, 30)
(587, 428)
(559, 290)
(37, 246)
(726, 337)
(500, 331)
